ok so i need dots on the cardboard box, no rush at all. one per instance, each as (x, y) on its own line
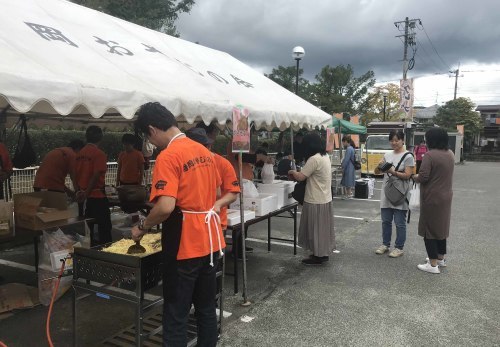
(261, 205)
(41, 210)
(234, 217)
(282, 189)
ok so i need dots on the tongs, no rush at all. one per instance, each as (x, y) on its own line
(136, 249)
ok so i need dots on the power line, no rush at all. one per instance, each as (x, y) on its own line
(432, 45)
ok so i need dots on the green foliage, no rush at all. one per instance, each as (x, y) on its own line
(338, 90)
(44, 141)
(374, 105)
(158, 15)
(457, 112)
(286, 77)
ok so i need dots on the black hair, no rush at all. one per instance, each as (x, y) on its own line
(129, 139)
(437, 138)
(76, 144)
(156, 115)
(261, 151)
(346, 138)
(313, 144)
(398, 133)
(93, 134)
(209, 129)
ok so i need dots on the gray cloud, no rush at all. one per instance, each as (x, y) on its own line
(262, 33)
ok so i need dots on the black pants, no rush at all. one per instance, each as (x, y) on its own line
(196, 284)
(98, 208)
(435, 247)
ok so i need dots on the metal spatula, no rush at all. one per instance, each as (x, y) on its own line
(136, 249)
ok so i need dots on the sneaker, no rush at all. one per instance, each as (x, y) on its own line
(396, 252)
(382, 249)
(313, 261)
(427, 267)
(440, 263)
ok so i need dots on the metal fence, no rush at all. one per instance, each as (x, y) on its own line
(22, 180)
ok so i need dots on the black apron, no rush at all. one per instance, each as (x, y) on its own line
(171, 231)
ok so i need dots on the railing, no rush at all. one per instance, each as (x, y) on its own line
(22, 180)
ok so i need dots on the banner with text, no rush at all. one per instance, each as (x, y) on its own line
(406, 94)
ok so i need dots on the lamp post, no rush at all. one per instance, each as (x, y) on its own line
(385, 102)
(297, 54)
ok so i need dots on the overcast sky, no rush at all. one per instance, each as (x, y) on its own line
(262, 33)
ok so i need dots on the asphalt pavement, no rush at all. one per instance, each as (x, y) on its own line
(357, 299)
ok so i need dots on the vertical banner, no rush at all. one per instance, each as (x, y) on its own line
(406, 94)
(460, 129)
(330, 139)
(241, 130)
(355, 138)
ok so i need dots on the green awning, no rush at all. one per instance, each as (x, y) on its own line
(347, 127)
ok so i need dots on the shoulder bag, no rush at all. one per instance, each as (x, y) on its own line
(299, 191)
(396, 189)
(24, 155)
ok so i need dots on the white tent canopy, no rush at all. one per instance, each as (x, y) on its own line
(61, 58)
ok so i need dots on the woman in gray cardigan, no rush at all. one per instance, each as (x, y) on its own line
(435, 178)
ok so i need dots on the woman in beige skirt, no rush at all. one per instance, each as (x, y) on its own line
(316, 231)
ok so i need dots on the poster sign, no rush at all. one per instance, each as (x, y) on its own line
(406, 94)
(330, 139)
(460, 129)
(241, 130)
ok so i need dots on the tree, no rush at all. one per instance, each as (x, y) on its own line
(457, 112)
(338, 90)
(158, 15)
(286, 76)
(374, 104)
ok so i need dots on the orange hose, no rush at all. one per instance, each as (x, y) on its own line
(2, 344)
(54, 293)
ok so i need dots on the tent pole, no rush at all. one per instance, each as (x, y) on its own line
(291, 141)
(242, 219)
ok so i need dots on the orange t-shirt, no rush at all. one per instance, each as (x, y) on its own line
(230, 183)
(186, 171)
(55, 166)
(6, 164)
(131, 164)
(90, 160)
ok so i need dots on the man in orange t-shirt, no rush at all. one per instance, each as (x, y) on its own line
(6, 167)
(55, 166)
(230, 184)
(184, 192)
(130, 163)
(90, 172)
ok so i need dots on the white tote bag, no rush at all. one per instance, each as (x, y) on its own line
(415, 197)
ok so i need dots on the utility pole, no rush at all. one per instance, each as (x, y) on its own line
(409, 41)
(456, 80)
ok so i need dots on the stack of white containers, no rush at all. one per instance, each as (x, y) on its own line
(282, 189)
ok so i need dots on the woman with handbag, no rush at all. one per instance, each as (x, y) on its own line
(316, 231)
(436, 193)
(396, 165)
(348, 170)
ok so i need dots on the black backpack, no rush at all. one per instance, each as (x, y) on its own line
(24, 155)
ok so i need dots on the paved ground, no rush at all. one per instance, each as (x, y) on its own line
(358, 299)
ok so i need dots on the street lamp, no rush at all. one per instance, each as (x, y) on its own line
(297, 54)
(385, 101)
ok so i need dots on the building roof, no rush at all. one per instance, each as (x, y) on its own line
(494, 108)
(426, 113)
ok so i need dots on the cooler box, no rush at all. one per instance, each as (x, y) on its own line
(361, 189)
(261, 205)
(234, 217)
(282, 189)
